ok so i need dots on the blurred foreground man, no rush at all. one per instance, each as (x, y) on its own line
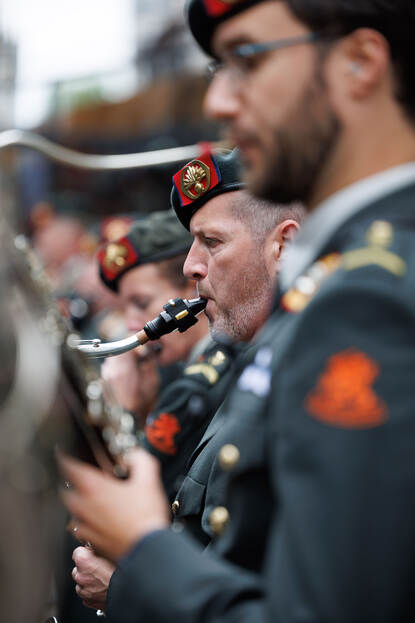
(319, 97)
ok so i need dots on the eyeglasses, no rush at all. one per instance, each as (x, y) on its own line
(237, 60)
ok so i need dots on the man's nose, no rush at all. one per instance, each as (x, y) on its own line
(221, 100)
(194, 267)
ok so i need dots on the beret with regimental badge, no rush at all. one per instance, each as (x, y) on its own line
(156, 237)
(201, 180)
(204, 17)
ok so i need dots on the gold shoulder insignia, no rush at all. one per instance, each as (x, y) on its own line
(379, 237)
(380, 234)
(208, 372)
(217, 359)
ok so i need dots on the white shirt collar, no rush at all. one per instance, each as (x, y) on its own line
(333, 212)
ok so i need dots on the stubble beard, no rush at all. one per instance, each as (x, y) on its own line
(242, 320)
(300, 149)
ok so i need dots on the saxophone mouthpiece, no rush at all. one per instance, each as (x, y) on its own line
(178, 314)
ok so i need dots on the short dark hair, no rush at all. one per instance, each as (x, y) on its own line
(394, 19)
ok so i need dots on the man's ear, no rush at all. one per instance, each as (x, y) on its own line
(277, 242)
(283, 235)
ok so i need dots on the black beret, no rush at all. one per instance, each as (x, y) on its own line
(153, 238)
(201, 180)
(205, 15)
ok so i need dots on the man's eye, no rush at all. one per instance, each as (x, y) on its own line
(211, 242)
(247, 63)
(141, 304)
(244, 64)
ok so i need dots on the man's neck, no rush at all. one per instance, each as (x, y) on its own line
(360, 155)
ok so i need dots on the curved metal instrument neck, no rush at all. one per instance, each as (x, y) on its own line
(177, 315)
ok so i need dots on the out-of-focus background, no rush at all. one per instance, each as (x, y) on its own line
(98, 76)
(101, 77)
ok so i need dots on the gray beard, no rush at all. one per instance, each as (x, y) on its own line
(242, 322)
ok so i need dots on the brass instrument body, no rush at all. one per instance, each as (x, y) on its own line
(50, 394)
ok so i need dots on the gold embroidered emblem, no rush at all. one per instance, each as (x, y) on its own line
(115, 256)
(202, 368)
(217, 359)
(195, 180)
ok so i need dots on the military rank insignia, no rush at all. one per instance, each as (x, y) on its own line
(196, 178)
(216, 8)
(211, 367)
(307, 285)
(116, 257)
(379, 237)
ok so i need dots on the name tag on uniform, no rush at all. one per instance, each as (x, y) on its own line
(256, 378)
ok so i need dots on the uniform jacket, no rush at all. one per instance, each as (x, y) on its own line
(204, 487)
(185, 409)
(324, 413)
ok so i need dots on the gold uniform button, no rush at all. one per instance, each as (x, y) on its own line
(229, 456)
(175, 507)
(218, 520)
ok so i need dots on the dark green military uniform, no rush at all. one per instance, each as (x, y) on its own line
(204, 486)
(184, 410)
(322, 429)
(186, 405)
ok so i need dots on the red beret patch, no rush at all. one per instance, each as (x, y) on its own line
(116, 257)
(216, 8)
(196, 178)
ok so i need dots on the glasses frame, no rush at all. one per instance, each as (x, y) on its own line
(248, 50)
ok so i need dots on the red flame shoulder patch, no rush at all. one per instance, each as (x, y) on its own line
(344, 396)
(161, 431)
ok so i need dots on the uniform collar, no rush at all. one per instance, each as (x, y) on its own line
(331, 214)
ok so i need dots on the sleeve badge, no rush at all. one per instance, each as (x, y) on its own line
(161, 431)
(344, 396)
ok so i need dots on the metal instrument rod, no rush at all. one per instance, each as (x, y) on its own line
(97, 349)
(96, 162)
